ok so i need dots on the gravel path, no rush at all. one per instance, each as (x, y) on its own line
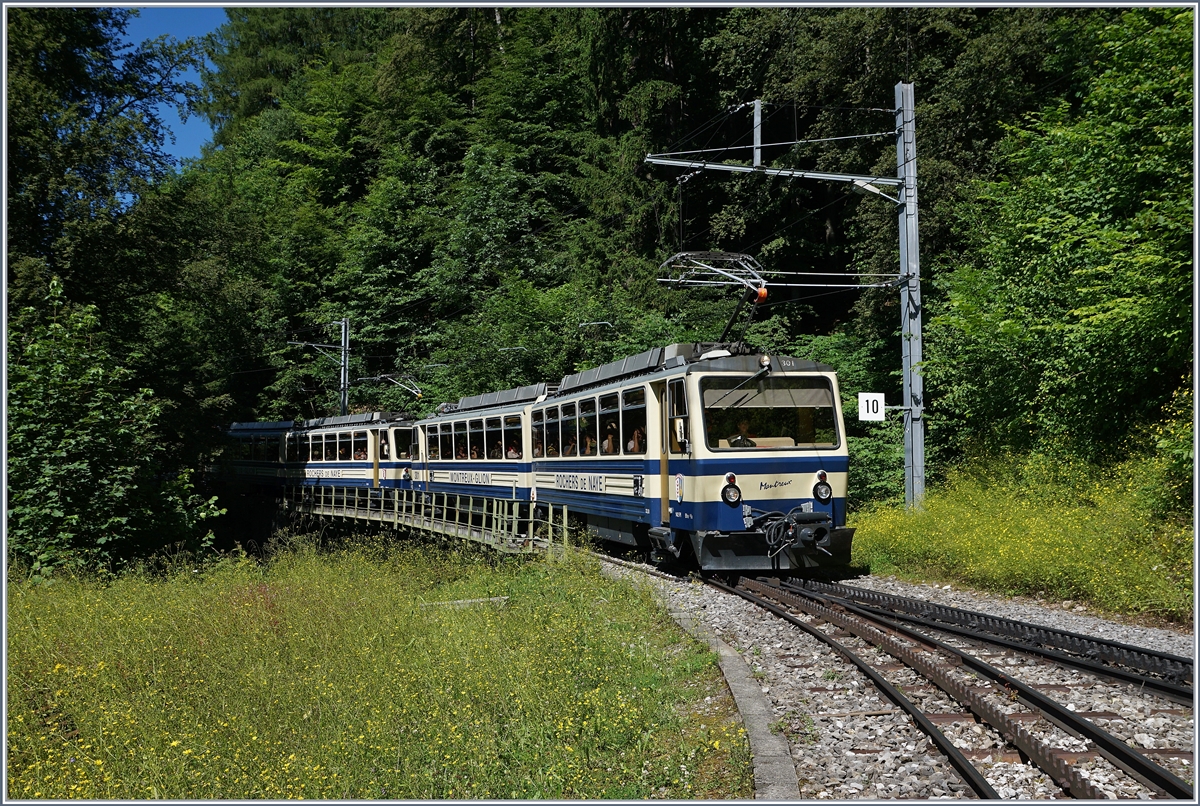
(847, 741)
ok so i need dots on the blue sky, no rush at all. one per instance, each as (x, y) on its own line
(180, 22)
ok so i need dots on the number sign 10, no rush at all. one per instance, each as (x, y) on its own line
(870, 406)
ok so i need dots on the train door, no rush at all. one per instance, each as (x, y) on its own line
(427, 439)
(374, 439)
(664, 472)
(676, 450)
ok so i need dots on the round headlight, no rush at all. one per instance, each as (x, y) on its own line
(731, 495)
(822, 492)
(764, 361)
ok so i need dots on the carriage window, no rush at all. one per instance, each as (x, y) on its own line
(771, 413)
(587, 428)
(460, 440)
(476, 448)
(446, 440)
(512, 436)
(539, 433)
(330, 447)
(432, 441)
(633, 418)
(610, 426)
(360, 445)
(405, 445)
(344, 449)
(304, 447)
(568, 446)
(494, 438)
(552, 432)
(292, 447)
(241, 449)
(385, 452)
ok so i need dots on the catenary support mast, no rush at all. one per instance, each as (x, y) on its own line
(910, 299)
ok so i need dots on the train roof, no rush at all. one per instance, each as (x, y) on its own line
(261, 429)
(276, 428)
(368, 418)
(719, 356)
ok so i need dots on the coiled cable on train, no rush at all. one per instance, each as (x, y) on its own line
(777, 533)
(780, 531)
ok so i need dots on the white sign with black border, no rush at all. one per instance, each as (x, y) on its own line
(870, 406)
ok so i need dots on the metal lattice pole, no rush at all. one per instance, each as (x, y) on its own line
(910, 299)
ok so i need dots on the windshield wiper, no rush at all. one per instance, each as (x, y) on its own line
(755, 376)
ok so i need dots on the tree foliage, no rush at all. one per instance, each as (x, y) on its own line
(1076, 293)
(87, 484)
(468, 187)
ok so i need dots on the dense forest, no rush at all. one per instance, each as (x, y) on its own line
(454, 181)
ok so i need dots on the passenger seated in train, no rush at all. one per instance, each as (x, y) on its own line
(589, 446)
(497, 451)
(513, 451)
(460, 452)
(474, 451)
(637, 441)
(611, 439)
(569, 448)
(360, 455)
(537, 449)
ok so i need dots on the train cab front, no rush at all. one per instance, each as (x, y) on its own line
(768, 467)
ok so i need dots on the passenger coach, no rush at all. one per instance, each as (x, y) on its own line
(734, 457)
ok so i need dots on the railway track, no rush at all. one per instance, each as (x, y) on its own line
(874, 632)
(1163, 673)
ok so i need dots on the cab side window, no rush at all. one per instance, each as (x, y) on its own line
(677, 415)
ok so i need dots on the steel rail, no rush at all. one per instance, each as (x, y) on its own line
(1063, 774)
(1163, 688)
(969, 772)
(1112, 748)
(1172, 667)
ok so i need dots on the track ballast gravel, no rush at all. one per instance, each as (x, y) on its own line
(847, 741)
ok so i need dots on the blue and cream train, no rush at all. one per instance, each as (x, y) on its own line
(735, 457)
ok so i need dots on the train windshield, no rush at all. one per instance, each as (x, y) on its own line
(769, 412)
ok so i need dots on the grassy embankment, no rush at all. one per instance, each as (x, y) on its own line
(321, 675)
(1045, 528)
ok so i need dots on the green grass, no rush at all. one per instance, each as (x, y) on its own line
(320, 675)
(1045, 527)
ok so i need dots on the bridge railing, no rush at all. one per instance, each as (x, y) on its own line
(506, 524)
